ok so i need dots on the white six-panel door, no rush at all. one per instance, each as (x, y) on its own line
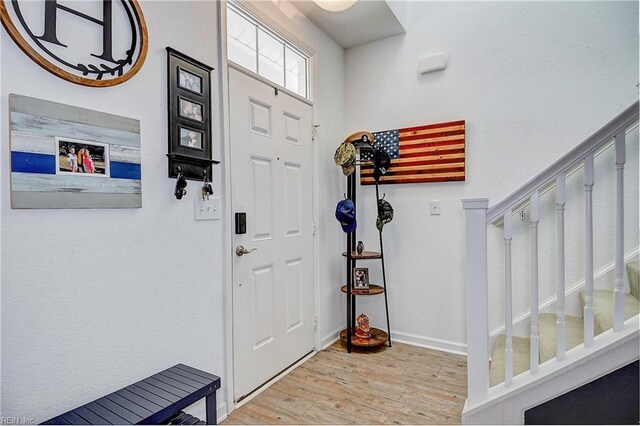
(271, 175)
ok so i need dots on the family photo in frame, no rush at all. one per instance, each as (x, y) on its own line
(189, 81)
(83, 157)
(361, 278)
(190, 110)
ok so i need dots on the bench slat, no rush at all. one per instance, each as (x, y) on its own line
(180, 419)
(187, 381)
(159, 392)
(90, 416)
(112, 418)
(129, 405)
(197, 372)
(74, 419)
(162, 385)
(137, 399)
(148, 395)
(166, 378)
(192, 421)
(194, 377)
(119, 410)
(59, 421)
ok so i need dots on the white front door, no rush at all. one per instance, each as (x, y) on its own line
(271, 178)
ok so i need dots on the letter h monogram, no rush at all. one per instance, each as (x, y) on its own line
(50, 26)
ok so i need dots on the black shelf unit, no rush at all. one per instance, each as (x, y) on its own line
(351, 264)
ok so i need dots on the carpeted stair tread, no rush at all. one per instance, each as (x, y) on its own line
(547, 326)
(521, 356)
(603, 308)
(633, 273)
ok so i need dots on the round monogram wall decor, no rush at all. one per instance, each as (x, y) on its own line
(96, 43)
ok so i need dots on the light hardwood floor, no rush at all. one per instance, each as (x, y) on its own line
(398, 385)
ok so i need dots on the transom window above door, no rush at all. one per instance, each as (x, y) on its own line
(257, 48)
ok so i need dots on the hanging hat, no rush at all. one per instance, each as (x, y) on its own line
(385, 214)
(381, 163)
(346, 215)
(345, 156)
(361, 138)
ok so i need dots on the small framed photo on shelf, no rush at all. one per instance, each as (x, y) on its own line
(190, 110)
(190, 138)
(189, 81)
(361, 278)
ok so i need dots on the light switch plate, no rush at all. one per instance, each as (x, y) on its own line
(207, 209)
(435, 207)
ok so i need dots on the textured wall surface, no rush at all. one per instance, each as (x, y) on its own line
(93, 300)
(532, 80)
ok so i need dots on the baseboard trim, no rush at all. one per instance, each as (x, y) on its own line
(199, 410)
(429, 342)
(331, 338)
(221, 411)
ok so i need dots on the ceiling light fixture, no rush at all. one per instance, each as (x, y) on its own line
(335, 5)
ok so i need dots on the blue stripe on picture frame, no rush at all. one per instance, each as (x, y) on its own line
(125, 170)
(30, 162)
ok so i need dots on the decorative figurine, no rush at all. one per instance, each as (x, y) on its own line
(363, 329)
(360, 248)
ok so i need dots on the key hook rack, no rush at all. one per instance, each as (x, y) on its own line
(189, 105)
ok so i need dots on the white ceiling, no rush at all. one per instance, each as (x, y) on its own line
(366, 21)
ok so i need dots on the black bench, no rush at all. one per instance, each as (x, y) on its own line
(155, 400)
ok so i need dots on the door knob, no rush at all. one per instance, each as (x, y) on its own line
(241, 251)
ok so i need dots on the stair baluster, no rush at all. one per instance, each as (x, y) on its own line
(618, 293)
(535, 214)
(588, 250)
(560, 202)
(508, 309)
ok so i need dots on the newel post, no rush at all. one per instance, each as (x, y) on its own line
(477, 300)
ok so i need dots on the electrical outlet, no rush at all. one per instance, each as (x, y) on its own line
(435, 207)
(207, 209)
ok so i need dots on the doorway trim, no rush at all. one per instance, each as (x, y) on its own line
(227, 243)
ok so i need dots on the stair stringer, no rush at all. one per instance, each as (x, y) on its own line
(506, 405)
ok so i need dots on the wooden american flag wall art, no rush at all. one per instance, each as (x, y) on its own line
(430, 153)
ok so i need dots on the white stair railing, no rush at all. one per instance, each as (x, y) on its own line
(535, 350)
(618, 295)
(508, 309)
(479, 216)
(588, 251)
(560, 325)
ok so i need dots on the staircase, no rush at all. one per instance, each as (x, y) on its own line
(574, 328)
(561, 352)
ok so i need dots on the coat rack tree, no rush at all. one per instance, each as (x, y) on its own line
(378, 337)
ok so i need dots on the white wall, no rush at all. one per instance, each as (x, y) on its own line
(531, 79)
(93, 300)
(153, 293)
